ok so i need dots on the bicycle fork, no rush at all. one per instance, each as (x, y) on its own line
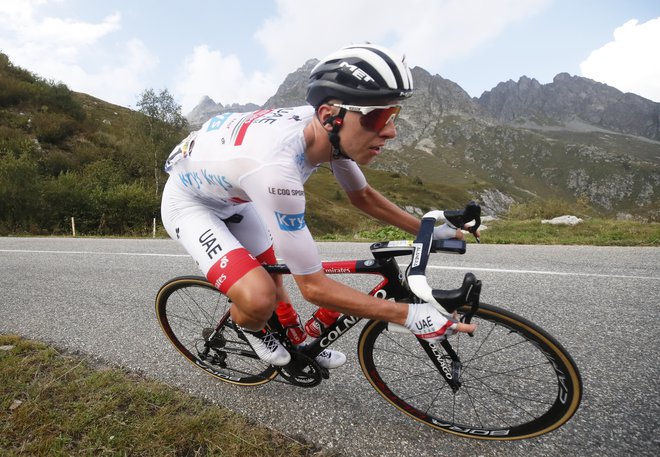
(446, 362)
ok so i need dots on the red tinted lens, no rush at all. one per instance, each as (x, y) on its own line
(379, 118)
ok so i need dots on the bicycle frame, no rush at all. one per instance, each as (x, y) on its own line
(392, 286)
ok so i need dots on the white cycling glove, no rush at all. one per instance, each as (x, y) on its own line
(444, 231)
(428, 323)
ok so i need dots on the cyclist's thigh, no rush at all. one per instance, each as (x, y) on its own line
(200, 229)
(251, 232)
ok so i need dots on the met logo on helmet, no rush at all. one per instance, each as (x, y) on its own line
(356, 72)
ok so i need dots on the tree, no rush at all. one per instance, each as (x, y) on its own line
(161, 107)
(163, 125)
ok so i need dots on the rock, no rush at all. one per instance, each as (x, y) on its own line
(563, 220)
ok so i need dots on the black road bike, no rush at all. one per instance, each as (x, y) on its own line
(509, 380)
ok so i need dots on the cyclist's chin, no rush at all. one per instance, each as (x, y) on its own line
(366, 157)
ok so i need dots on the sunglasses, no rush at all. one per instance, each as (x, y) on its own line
(374, 118)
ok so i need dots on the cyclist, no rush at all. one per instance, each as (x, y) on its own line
(235, 193)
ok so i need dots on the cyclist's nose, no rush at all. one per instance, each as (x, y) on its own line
(389, 131)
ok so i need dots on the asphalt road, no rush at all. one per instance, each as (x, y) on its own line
(95, 296)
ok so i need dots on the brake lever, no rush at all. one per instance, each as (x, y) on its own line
(473, 213)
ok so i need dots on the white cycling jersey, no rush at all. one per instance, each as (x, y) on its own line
(253, 164)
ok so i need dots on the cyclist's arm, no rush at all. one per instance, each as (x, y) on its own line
(279, 198)
(321, 290)
(368, 200)
(376, 205)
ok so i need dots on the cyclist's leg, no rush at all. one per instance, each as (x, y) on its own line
(201, 230)
(251, 232)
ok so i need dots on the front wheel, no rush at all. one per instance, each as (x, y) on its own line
(194, 316)
(516, 381)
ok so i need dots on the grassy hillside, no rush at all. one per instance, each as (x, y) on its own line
(65, 154)
(612, 173)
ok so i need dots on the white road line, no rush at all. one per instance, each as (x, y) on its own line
(541, 272)
(145, 254)
(435, 267)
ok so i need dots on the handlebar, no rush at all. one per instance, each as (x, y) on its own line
(443, 300)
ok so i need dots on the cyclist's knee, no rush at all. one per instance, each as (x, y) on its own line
(255, 294)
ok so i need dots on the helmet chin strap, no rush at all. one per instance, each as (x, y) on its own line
(333, 135)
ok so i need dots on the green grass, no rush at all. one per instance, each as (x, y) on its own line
(57, 405)
(594, 232)
(591, 232)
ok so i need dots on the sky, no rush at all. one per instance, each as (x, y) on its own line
(241, 51)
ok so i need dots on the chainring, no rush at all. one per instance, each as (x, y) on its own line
(302, 371)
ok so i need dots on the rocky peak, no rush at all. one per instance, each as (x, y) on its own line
(293, 90)
(440, 96)
(573, 98)
(207, 108)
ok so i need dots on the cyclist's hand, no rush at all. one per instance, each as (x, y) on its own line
(461, 327)
(465, 328)
(476, 233)
(427, 323)
(446, 231)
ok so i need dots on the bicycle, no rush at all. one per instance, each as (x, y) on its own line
(508, 380)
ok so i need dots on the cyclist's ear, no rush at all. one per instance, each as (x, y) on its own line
(327, 116)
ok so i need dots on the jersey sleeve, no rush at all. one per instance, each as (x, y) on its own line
(348, 175)
(279, 198)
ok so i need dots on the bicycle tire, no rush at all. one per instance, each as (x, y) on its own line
(516, 382)
(188, 309)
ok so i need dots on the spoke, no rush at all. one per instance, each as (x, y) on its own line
(437, 394)
(406, 376)
(429, 391)
(232, 370)
(489, 410)
(406, 350)
(183, 318)
(182, 293)
(508, 373)
(510, 398)
(474, 407)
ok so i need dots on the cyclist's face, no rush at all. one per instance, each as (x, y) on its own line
(360, 143)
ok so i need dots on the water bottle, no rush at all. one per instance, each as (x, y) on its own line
(290, 320)
(320, 320)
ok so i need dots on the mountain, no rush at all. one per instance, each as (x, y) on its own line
(573, 139)
(572, 98)
(207, 108)
(292, 91)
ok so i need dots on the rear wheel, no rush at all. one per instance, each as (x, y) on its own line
(516, 380)
(189, 310)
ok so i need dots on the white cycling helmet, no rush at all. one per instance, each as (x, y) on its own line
(360, 74)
